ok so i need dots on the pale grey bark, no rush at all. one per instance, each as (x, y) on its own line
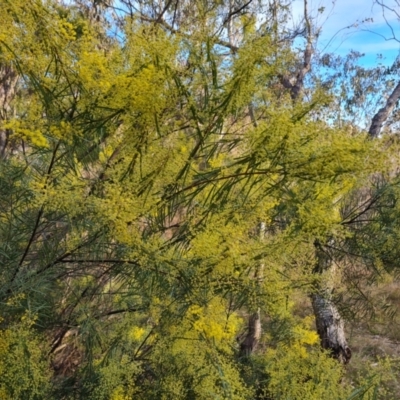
(8, 83)
(295, 84)
(382, 115)
(254, 328)
(230, 25)
(330, 325)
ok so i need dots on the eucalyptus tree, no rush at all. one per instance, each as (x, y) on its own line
(366, 100)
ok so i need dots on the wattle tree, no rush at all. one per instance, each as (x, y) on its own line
(171, 181)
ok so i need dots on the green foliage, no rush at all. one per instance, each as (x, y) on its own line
(137, 167)
(294, 373)
(24, 367)
(376, 380)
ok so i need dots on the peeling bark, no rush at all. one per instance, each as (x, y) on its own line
(330, 328)
(330, 325)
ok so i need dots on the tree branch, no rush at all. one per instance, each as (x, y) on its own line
(297, 87)
(382, 115)
(39, 216)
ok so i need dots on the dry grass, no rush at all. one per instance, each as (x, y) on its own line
(373, 332)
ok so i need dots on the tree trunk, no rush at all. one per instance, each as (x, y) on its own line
(330, 325)
(8, 83)
(295, 84)
(250, 342)
(254, 330)
(382, 115)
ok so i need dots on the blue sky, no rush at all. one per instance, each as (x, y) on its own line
(343, 29)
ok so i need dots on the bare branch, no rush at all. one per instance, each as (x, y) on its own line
(236, 11)
(297, 87)
(386, 7)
